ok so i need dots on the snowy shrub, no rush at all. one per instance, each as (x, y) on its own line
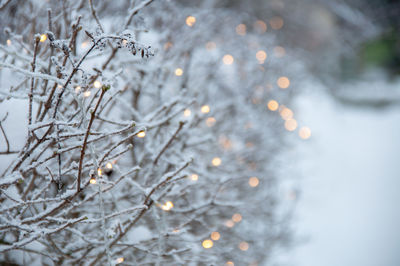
(133, 154)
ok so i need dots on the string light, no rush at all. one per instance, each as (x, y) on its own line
(141, 134)
(283, 82)
(290, 124)
(43, 38)
(241, 29)
(86, 94)
(205, 109)
(99, 172)
(207, 243)
(8, 42)
(120, 260)
(215, 236)
(194, 177)
(276, 23)
(216, 161)
(77, 89)
(187, 112)
(261, 56)
(109, 166)
(244, 246)
(279, 51)
(167, 206)
(92, 181)
(211, 46)
(167, 45)
(253, 181)
(273, 105)
(236, 217)
(305, 133)
(260, 26)
(286, 113)
(229, 223)
(227, 59)
(97, 84)
(210, 121)
(190, 21)
(84, 44)
(178, 72)
(229, 263)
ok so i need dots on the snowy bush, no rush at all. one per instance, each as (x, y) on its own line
(148, 137)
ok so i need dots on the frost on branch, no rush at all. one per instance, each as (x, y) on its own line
(137, 159)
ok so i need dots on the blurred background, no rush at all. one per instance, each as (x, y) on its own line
(347, 173)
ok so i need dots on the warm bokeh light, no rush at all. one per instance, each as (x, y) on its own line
(260, 26)
(228, 59)
(43, 38)
(178, 71)
(225, 142)
(84, 44)
(99, 172)
(167, 45)
(141, 134)
(229, 223)
(194, 177)
(77, 89)
(211, 46)
(215, 236)
(286, 113)
(276, 23)
(210, 121)
(86, 94)
(253, 181)
(229, 263)
(241, 29)
(283, 82)
(167, 206)
(92, 181)
(279, 51)
(261, 56)
(205, 109)
(291, 124)
(207, 243)
(109, 166)
(190, 20)
(120, 260)
(305, 132)
(97, 84)
(244, 246)
(8, 42)
(187, 112)
(216, 161)
(273, 105)
(236, 217)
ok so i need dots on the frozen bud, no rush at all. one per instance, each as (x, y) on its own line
(91, 110)
(50, 35)
(130, 146)
(37, 37)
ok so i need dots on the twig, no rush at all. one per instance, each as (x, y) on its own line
(83, 150)
(95, 15)
(136, 10)
(37, 39)
(181, 123)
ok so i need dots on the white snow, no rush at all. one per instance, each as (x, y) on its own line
(351, 175)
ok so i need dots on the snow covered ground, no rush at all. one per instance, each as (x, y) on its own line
(349, 207)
